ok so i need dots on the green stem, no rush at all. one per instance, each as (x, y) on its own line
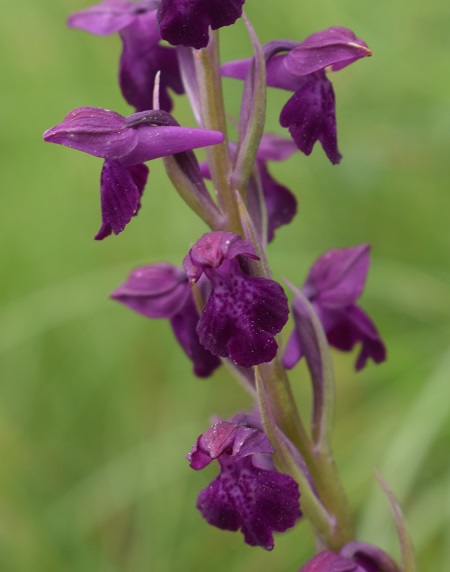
(282, 402)
(311, 505)
(328, 509)
(207, 66)
(321, 465)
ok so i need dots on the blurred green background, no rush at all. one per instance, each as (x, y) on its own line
(98, 406)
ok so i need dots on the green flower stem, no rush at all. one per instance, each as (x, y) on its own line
(285, 412)
(310, 503)
(207, 66)
(331, 492)
(321, 465)
(328, 510)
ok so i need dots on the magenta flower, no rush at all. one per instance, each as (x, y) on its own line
(353, 557)
(334, 284)
(125, 143)
(162, 291)
(187, 23)
(243, 313)
(310, 114)
(244, 496)
(142, 55)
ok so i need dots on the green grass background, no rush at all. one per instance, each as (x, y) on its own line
(98, 405)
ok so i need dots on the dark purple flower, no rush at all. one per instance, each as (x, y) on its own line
(243, 313)
(310, 114)
(142, 55)
(244, 496)
(125, 143)
(162, 291)
(334, 284)
(187, 22)
(353, 557)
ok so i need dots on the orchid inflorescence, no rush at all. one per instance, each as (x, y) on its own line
(222, 303)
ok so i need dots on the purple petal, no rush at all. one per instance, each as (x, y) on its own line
(156, 291)
(212, 249)
(242, 442)
(105, 18)
(281, 204)
(256, 501)
(328, 561)
(120, 197)
(346, 327)
(275, 148)
(242, 316)
(237, 69)
(336, 47)
(249, 441)
(184, 326)
(280, 77)
(337, 278)
(139, 174)
(161, 291)
(141, 60)
(230, 439)
(310, 116)
(186, 22)
(211, 444)
(293, 352)
(161, 141)
(99, 132)
(134, 139)
(277, 74)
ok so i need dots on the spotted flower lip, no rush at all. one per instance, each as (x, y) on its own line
(243, 313)
(125, 143)
(187, 23)
(142, 55)
(244, 496)
(161, 291)
(333, 286)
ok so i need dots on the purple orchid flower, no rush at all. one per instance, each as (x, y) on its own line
(243, 313)
(142, 55)
(125, 143)
(187, 23)
(244, 496)
(334, 284)
(353, 557)
(310, 114)
(162, 291)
